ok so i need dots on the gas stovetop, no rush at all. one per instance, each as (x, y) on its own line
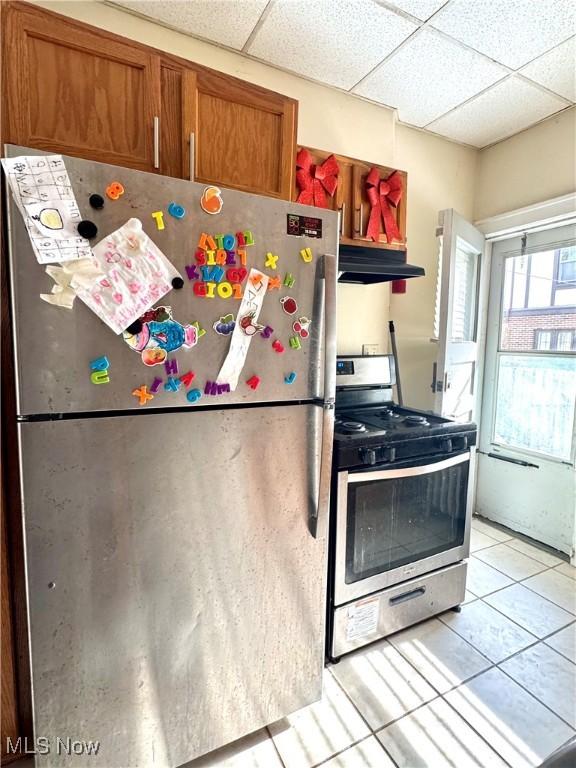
(388, 420)
(387, 433)
(371, 429)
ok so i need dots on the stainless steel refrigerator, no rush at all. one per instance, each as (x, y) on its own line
(175, 552)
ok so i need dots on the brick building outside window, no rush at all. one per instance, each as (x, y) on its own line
(539, 311)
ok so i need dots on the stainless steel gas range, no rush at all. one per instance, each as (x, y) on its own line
(401, 506)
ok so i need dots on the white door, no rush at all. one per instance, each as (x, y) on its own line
(526, 477)
(454, 378)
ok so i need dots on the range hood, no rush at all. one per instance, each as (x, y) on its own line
(374, 265)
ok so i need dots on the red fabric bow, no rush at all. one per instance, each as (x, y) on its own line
(381, 195)
(313, 179)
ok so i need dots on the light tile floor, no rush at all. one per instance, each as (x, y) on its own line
(490, 687)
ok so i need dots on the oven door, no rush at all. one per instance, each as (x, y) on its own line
(397, 523)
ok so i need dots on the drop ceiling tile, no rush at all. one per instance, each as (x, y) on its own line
(428, 76)
(556, 69)
(210, 19)
(422, 9)
(504, 109)
(334, 41)
(511, 31)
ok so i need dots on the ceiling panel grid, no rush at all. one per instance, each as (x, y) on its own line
(474, 71)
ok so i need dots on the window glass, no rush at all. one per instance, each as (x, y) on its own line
(564, 341)
(543, 339)
(540, 279)
(567, 265)
(566, 297)
(438, 290)
(515, 282)
(536, 401)
(536, 308)
(464, 295)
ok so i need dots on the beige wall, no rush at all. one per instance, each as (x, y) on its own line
(535, 165)
(441, 174)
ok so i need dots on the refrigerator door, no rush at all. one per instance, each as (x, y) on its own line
(54, 346)
(176, 593)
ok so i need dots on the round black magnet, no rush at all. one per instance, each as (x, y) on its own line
(96, 201)
(177, 282)
(87, 229)
(136, 327)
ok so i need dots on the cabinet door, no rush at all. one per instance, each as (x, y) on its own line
(79, 92)
(361, 205)
(361, 213)
(341, 201)
(177, 120)
(245, 136)
(344, 199)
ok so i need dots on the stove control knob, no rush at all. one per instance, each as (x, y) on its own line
(368, 456)
(446, 444)
(389, 454)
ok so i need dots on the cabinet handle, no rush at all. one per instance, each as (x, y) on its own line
(361, 223)
(156, 141)
(192, 158)
(342, 214)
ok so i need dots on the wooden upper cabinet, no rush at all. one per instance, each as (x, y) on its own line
(82, 91)
(351, 200)
(79, 91)
(244, 135)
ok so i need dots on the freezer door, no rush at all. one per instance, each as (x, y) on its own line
(54, 346)
(176, 592)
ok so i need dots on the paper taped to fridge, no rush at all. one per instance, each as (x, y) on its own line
(248, 313)
(135, 275)
(45, 198)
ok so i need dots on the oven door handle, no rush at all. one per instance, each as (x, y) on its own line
(392, 474)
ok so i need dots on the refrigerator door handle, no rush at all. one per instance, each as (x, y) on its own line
(329, 279)
(321, 510)
(317, 522)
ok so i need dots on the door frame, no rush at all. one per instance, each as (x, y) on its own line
(547, 214)
(491, 356)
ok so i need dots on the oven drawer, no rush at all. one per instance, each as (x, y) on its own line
(390, 610)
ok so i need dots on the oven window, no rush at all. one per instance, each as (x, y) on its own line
(393, 522)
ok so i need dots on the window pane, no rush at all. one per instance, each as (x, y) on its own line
(540, 279)
(464, 296)
(516, 269)
(438, 290)
(543, 339)
(536, 400)
(565, 297)
(567, 265)
(564, 341)
(534, 309)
